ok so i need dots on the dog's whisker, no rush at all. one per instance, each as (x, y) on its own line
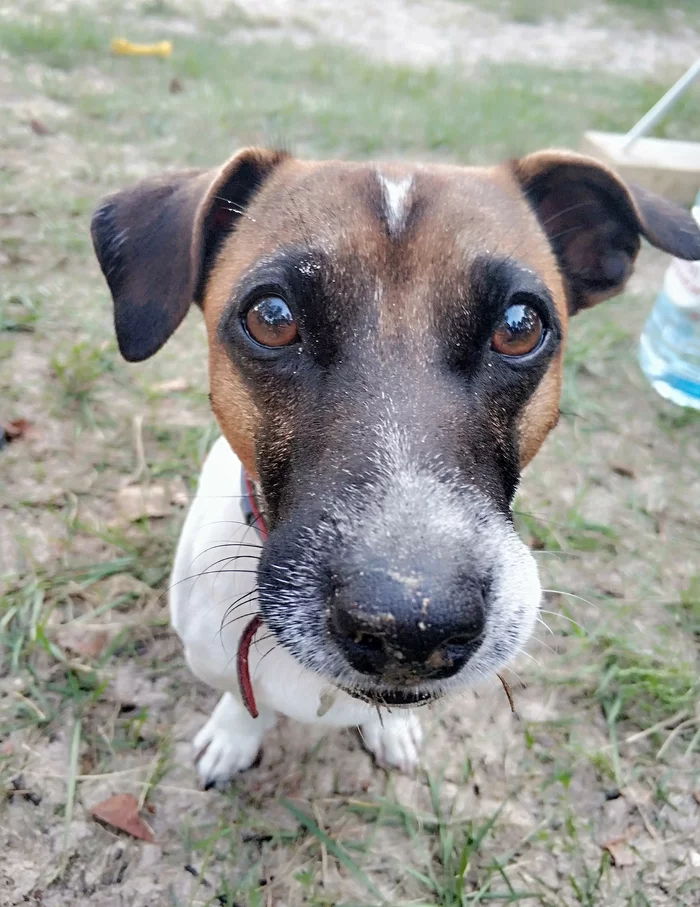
(572, 595)
(194, 577)
(251, 545)
(243, 600)
(251, 593)
(565, 232)
(544, 644)
(565, 617)
(210, 571)
(234, 208)
(202, 526)
(262, 659)
(544, 624)
(535, 660)
(233, 620)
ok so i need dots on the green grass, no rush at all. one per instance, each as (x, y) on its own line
(78, 369)
(640, 13)
(19, 313)
(331, 100)
(57, 41)
(643, 687)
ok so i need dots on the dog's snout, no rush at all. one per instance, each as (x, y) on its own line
(406, 628)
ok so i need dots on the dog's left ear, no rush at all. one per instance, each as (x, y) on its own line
(594, 222)
(157, 241)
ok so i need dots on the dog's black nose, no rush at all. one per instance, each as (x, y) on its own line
(407, 628)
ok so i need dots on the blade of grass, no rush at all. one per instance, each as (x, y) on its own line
(332, 846)
(72, 779)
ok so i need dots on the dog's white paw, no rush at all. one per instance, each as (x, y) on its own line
(229, 742)
(395, 742)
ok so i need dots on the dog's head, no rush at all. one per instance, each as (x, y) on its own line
(385, 351)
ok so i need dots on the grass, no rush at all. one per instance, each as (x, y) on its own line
(640, 13)
(78, 369)
(56, 41)
(287, 833)
(19, 313)
(331, 100)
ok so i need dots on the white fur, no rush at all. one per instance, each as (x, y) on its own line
(396, 199)
(199, 598)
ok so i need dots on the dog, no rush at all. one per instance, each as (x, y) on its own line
(385, 356)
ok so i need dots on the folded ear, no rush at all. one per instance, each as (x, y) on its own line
(157, 241)
(594, 222)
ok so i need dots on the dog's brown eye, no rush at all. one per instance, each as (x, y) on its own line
(271, 323)
(519, 333)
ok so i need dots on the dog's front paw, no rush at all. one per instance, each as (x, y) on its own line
(228, 743)
(395, 741)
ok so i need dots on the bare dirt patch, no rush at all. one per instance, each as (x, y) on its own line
(443, 32)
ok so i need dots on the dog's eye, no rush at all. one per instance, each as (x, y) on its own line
(270, 322)
(519, 333)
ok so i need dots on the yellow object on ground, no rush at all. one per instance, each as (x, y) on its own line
(129, 49)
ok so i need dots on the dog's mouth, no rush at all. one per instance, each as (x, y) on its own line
(398, 698)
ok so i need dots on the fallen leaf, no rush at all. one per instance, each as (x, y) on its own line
(696, 796)
(620, 853)
(38, 127)
(83, 642)
(137, 501)
(122, 812)
(175, 86)
(16, 429)
(173, 386)
(620, 470)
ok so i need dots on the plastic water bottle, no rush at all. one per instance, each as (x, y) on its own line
(669, 349)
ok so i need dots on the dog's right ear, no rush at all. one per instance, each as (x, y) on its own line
(157, 241)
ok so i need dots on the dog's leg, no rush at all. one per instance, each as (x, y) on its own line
(394, 739)
(229, 742)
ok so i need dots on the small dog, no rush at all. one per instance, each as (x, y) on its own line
(385, 356)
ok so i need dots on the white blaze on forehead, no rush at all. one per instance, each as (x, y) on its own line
(397, 203)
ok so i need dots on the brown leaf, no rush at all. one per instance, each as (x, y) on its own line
(122, 812)
(173, 386)
(620, 853)
(621, 470)
(38, 127)
(17, 429)
(175, 86)
(84, 642)
(137, 501)
(696, 796)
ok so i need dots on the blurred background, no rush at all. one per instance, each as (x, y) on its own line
(592, 796)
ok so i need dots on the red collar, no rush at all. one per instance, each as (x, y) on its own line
(244, 644)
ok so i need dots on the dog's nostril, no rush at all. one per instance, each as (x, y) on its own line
(454, 652)
(369, 642)
(364, 648)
